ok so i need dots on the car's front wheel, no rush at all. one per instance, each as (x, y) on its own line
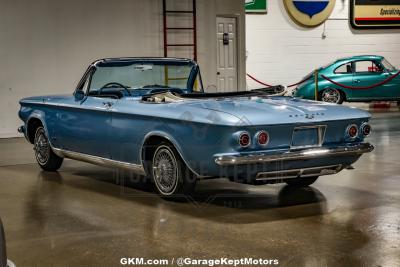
(331, 95)
(301, 182)
(171, 176)
(45, 157)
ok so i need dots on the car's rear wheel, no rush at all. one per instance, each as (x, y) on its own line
(45, 157)
(332, 95)
(301, 182)
(169, 173)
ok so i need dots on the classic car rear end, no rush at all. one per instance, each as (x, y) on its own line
(297, 151)
(276, 140)
(125, 114)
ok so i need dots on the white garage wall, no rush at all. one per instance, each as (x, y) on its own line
(46, 45)
(281, 52)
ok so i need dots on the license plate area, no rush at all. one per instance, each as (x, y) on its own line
(308, 136)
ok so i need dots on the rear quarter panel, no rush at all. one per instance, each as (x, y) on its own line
(196, 133)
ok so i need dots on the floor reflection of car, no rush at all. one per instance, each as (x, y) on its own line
(357, 72)
(144, 114)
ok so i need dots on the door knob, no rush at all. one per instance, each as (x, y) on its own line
(218, 73)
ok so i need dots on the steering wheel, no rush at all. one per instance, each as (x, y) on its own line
(108, 85)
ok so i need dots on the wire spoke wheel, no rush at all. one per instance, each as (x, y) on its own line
(41, 147)
(331, 96)
(165, 170)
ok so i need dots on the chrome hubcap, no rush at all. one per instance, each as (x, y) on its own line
(41, 147)
(331, 96)
(165, 170)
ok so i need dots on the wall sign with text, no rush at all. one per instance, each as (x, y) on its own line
(375, 14)
(256, 6)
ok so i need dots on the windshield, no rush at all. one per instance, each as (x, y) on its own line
(387, 65)
(135, 76)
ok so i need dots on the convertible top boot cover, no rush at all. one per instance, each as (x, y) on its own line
(3, 254)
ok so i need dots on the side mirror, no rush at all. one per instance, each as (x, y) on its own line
(79, 95)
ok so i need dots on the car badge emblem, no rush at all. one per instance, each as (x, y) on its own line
(310, 117)
(309, 13)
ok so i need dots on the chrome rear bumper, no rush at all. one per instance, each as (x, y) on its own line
(240, 159)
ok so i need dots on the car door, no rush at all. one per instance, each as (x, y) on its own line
(129, 127)
(84, 124)
(367, 73)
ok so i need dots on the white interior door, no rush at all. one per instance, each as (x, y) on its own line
(227, 54)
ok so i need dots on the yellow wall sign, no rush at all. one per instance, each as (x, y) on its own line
(309, 13)
(375, 14)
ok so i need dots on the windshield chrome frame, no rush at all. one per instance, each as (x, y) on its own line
(194, 73)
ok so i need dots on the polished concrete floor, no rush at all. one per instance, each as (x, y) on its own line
(82, 217)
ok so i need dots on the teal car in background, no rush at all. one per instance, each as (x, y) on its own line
(350, 79)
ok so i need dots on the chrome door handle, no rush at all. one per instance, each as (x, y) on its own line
(357, 81)
(108, 104)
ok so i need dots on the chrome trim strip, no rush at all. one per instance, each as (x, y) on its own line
(296, 173)
(137, 168)
(240, 159)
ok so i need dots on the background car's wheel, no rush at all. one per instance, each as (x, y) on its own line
(45, 157)
(301, 182)
(170, 174)
(331, 95)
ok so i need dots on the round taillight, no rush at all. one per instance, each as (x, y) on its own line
(366, 129)
(352, 131)
(244, 139)
(262, 138)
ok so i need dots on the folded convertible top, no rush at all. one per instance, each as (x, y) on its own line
(273, 90)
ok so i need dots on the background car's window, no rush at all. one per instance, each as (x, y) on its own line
(367, 66)
(142, 76)
(387, 65)
(345, 68)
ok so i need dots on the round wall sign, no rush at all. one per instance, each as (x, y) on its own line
(309, 13)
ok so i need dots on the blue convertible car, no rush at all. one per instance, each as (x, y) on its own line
(151, 116)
